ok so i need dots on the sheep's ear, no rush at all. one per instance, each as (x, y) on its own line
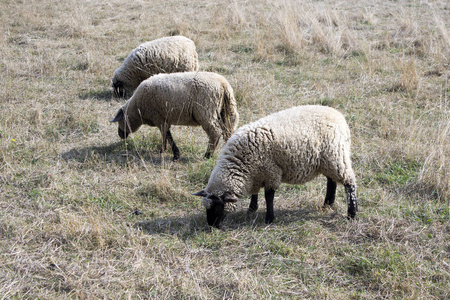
(227, 197)
(119, 116)
(202, 193)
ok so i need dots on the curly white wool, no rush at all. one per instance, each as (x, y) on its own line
(164, 55)
(191, 98)
(291, 146)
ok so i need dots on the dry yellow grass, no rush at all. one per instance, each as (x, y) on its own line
(85, 215)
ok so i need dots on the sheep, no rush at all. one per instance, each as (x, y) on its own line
(291, 146)
(192, 98)
(164, 55)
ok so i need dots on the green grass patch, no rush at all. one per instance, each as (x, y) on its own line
(399, 173)
(199, 173)
(148, 141)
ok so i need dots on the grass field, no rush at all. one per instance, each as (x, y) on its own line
(70, 189)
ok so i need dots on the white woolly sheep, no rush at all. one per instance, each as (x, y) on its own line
(165, 55)
(291, 146)
(192, 98)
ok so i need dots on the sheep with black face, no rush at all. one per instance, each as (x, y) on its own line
(191, 99)
(291, 146)
(165, 55)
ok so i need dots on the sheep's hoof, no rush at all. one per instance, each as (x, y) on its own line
(269, 220)
(351, 216)
(163, 149)
(176, 157)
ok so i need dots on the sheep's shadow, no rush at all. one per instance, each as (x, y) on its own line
(283, 217)
(189, 226)
(114, 153)
(184, 227)
(99, 95)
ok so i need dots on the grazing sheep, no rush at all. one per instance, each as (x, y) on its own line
(193, 98)
(291, 146)
(164, 55)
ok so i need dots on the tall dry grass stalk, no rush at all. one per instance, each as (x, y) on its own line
(321, 27)
(409, 79)
(292, 36)
(435, 173)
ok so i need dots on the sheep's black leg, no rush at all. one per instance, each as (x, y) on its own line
(213, 133)
(269, 194)
(163, 141)
(165, 132)
(164, 145)
(175, 150)
(211, 147)
(331, 192)
(253, 204)
(352, 203)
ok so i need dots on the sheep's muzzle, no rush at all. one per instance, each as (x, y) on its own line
(119, 90)
(122, 134)
(215, 216)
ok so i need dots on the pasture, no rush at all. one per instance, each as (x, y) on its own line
(85, 215)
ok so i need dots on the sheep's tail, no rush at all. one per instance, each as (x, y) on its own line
(229, 116)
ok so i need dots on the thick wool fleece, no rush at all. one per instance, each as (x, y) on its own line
(192, 98)
(291, 146)
(164, 55)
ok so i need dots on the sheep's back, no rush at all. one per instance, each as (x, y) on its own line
(164, 55)
(297, 142)
(180, 98)
(167, 55)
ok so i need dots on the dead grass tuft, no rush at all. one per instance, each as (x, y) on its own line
(435, 174)
(408, 78)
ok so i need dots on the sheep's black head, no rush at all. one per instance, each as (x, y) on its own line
(123, 135)
(123, 130)
(217, 207)
(119, 89)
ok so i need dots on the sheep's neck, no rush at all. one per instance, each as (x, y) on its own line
(134, 115)
(240, 171)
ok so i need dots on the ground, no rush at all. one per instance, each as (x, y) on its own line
(87, 215)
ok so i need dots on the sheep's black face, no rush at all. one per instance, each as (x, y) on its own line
(122, 134)
(217, 207)
(216, 213)
(119, 89)
(120, 119)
